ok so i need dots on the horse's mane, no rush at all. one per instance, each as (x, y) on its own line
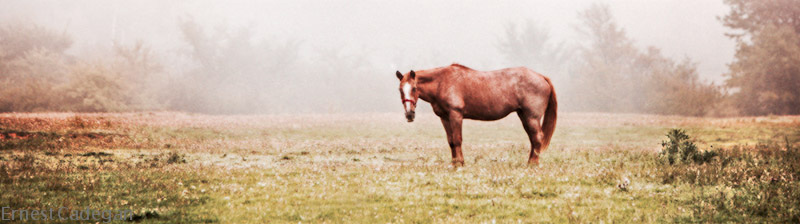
(430, 74)
(457, 65)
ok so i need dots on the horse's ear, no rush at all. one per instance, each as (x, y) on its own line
(413, 75)
(399, 75)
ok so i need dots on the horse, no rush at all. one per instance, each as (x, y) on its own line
(457, 92)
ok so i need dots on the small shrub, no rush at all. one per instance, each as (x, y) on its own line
(679, 149)
(175, 157)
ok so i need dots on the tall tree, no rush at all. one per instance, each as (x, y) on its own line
(603, 80)
(236, 72)
(765, 76)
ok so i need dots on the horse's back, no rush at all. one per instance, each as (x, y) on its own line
(490, 95)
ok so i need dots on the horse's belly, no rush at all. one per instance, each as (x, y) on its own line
(488, 112)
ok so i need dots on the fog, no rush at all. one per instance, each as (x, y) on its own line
(375, 37)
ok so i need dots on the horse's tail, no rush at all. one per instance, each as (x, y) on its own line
(549, 123)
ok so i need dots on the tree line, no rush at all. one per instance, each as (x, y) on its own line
(220, 71)
(230, 70)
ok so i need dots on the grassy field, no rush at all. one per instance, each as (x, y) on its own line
(176, 167)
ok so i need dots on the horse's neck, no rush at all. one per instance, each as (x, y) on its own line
(429, 81)
(426, 90)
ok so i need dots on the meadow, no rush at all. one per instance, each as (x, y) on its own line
(368, 168)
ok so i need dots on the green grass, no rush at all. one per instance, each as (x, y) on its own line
(378, 168)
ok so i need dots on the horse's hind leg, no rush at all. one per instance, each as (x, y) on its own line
(535, 135)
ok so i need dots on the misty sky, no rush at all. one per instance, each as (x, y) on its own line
(420, 33)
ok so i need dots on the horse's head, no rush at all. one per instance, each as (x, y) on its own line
(408, 93)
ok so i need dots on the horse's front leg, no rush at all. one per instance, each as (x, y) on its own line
(449, 133)
(454, 120)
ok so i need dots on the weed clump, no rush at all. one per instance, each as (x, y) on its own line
(679, 149)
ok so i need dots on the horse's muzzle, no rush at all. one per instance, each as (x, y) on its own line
(410, 116)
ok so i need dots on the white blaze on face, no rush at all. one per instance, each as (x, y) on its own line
(407, 96)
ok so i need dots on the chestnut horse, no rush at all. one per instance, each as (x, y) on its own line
(456, 92)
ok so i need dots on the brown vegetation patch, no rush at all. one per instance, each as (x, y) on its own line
(11, 135)
(61, 140)
(15, 135)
